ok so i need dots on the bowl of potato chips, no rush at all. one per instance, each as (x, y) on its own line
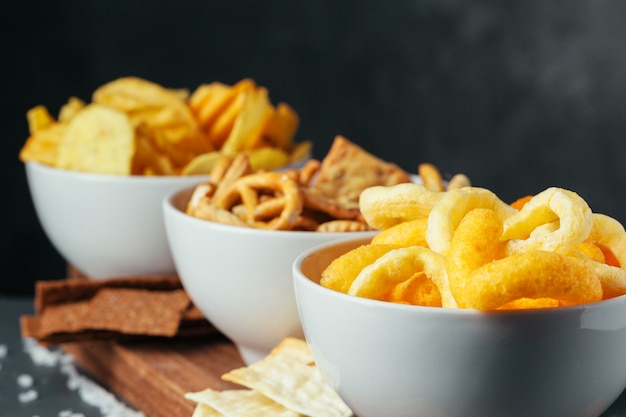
(105, 225)
(464, 305)
(98, 171)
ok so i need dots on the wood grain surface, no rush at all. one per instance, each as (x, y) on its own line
(153, 377)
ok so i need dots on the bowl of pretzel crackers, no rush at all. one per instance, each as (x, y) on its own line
(466, 306)
(235, 237)
(98, 171)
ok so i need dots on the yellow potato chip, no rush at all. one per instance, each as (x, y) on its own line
(300, 151)
(148, 160)
(289, 376)
(248, 127)
(163, 112)
(268, 158)
(282, 125)
(42, 146)
(69, 109)
(98, 139)
(222, 125)
(39, 119)
(238, 403)
(202, 164)
(209, 100)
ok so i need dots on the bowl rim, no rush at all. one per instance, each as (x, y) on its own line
(91, 176)
(301, 279)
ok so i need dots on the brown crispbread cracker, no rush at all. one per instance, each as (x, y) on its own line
(348, 169)
(63, 291)
(119, 309)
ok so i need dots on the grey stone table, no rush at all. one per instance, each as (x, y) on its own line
(37, 382)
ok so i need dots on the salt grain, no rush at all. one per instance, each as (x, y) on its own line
(25, 381)
(27, 396)
(90, 392)
(40, 355)
(4, 350)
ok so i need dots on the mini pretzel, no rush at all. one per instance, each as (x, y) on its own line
(246, 189)
(238, 168)
(459, 181)
(265, 209)
(431, 177)
(308, 171)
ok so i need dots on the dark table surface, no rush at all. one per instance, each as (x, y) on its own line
(60, 388)
(45, 382)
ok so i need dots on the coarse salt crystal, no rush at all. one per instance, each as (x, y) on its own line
(89, 391)
(25, 381)
(27, 396)
(41, 355)
(4, 350)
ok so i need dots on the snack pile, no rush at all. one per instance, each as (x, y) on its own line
(322, 196)
(136, 127)
(284, 383)
(466, 248)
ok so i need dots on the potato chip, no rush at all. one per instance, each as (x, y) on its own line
(268, 158)
(300, 151)
(42, 146)
(98, 139)
(69, 109)
(167, 119)
(39, 119)
(209, 100)
(282, 126)
(248, 127)
(202, 164)
(288, 375)
(222, 124)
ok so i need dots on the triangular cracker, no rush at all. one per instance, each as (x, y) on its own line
(347, 169)
(289, 376)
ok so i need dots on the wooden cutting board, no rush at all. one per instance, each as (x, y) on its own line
(153, 377)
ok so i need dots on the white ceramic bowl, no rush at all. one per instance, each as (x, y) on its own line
(240, 278)
(105, 225)
(394, 360)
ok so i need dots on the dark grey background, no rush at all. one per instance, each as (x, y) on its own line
(520, 95)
